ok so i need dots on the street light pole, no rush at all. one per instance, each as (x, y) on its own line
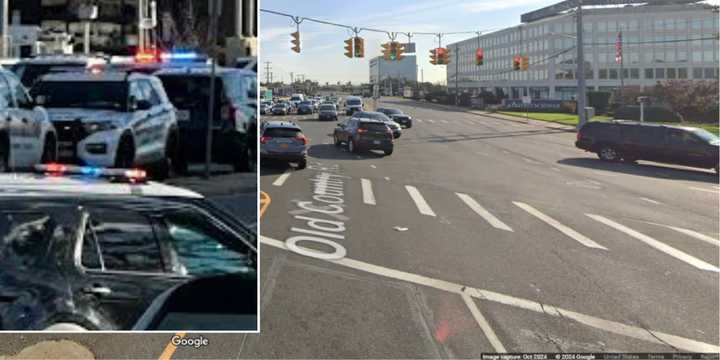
(582, 118)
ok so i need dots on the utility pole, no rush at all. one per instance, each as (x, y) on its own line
(457, 75)
(267, 72)
(213, 61)
(582, 118)
(291, 78)
(5, 8)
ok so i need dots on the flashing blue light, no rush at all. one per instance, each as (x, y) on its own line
(91, 171)
(180, 56)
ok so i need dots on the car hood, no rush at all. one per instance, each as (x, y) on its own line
(85, 115)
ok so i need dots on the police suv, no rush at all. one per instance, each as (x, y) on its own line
(89, 248)
(27, 137)
(32, 69)
(112, 119)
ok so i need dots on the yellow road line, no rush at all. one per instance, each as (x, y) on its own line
(170, 348)
(264, 202)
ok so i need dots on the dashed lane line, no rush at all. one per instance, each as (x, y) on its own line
(431, 121)
(282, 178)
(560, 227)
(478, 209)
(705, 190)
(667, 249)
(419, 200)
(650, 201)
(635, 332)
(367, 192)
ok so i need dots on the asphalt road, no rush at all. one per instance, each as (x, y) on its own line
(483, 235)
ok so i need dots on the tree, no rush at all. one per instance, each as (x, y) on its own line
(690, 99)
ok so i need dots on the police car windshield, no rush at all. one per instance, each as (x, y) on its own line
(110, 95)
(29, 74)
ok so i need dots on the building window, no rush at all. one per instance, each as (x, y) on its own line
(603, 73)
(658, 24)
(696, 56)
(682, 73)
(697, 73)
(649, 73)
(624, 73)
(612, 25)
(669, 24)
(660, 73)
(670, 55)
(709, 73)
(707, 56)
(613, 73)
(634, 73)
(632, 25)
(696, 24)
(681, 24)
(681, 56)
(671, 73)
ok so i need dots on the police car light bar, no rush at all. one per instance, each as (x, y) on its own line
(128, 175)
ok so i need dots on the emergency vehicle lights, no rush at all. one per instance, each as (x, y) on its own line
(128, 175)
(179, 56)
(145, 57)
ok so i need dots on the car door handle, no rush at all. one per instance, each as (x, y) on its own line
(98, 290)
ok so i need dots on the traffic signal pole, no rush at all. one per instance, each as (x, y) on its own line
(582, 118)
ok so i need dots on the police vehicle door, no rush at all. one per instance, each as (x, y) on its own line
(30, 122)
(14, 126)
(140, 123)
(160, 117)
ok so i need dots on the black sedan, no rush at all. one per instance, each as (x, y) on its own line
(398, 116)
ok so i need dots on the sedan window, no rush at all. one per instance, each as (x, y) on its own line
(24, 237)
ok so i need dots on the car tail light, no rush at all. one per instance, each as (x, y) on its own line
(302, 138)
(361, 131)
(264, 139)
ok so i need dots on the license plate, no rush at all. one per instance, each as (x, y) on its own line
(376, 142)
(183, 115)
(284, 146)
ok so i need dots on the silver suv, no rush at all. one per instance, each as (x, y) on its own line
(283, 141)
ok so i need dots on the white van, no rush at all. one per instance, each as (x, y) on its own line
(296, 99)
(353, 104)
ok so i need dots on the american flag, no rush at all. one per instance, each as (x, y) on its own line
(618, 48)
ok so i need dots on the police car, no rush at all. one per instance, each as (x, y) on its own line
(90, 248)
(27, 137)
(112, 119)
(234, 139)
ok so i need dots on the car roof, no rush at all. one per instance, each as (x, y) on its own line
(281, 124)
(105, 76)
(200, 70)
(38, 185)
(63, 59)
(647, 124)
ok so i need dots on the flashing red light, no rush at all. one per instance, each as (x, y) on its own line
(361, 131)
(55, 168)
(136, 175)
(264, 139)
(145, 57)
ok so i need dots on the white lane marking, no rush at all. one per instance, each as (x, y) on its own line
(651, 201)
(420, 202)
(431, 120)
(483, 323)
(651, 336)
(368, 195)
(418, 120)
(282, 178)
(705, 190)
(444, 121)
(702, 265)
(373, 166)
(560, 227)
(490, 218)
(695, 234)
(387, 178)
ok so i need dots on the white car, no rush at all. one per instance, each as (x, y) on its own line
(113, 119)
(27, 137)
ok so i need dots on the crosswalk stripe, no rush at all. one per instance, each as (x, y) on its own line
(418, 120)
(368, 195)
(490, 218)
(420, 202)
(431, 120)
(559, 227)
(282, 178)
(682, 256)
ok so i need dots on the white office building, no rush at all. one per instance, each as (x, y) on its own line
(662, 40)
(381, 69)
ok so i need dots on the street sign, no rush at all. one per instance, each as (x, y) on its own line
(526, 100)
(87, 12)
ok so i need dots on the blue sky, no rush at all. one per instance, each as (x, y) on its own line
(322, 56)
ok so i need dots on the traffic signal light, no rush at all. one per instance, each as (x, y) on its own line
(295, 41)
(479, 57)
(387, 50)
(516, 62)
(433, 56)
(359, 47)
(443, 56)
(349, 47)
(524, 62)
(399, 50)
